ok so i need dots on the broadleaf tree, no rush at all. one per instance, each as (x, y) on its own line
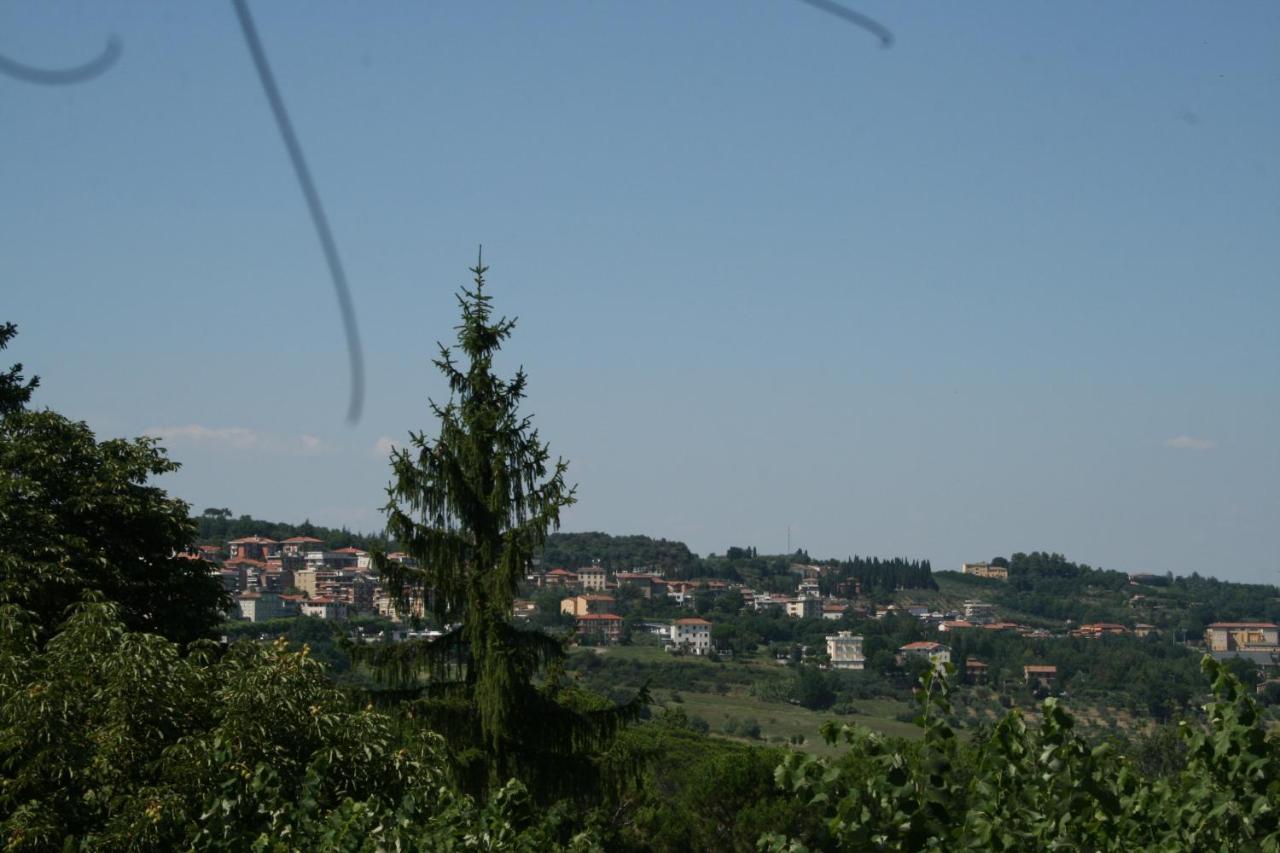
(472, 506)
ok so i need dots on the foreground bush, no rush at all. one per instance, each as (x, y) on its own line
(112, 740)
(1044, 787)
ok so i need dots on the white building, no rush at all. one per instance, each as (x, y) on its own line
(592, 579)
(845, 651)
(692, 634)
(979, 612)
(805, 607)
(325, 608)
(264, 606)
(936, 653)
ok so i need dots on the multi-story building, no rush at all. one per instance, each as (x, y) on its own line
(592, 579)
(834, 610)
(581, 605)
(325, 608)
(300, 546)
(1243, 636)
(1042, 675)
(805, 607)
(264, 606)
(604, 628)
(979, 612)
(253, 548)
(936, 653)
(985, 570)
(642, 582)
(845, 650)
(692, 634)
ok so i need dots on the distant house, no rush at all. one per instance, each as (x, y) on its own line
(985, 570)
(976, 671)
(604, 628)
(833, 610)
(979, 612)
(253, 548)
(845, 650)
(643, 582)
(325, 608)
(692, 634)
(560, 578)
(955, 625)
(805, 607)
(299, 546)
(936, 653)
(523, 609)
(1142, 629)
(592, 579)
(1230, 636)
(1042, 675)
(264, 606)
(583, 605)
(1094, 630)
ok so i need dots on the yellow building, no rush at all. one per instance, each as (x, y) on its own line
(1232, 636)
(985, 570)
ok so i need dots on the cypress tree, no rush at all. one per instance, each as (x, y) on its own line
(473, 506)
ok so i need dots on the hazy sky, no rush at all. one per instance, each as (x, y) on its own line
(1012, 284)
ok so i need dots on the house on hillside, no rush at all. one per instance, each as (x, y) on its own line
(845, 650)
(979, 612)
(805, 606)
(985, 570)
(253, 548)
(936, 653)
(1255, 641)
(559, 579)
(600, 628)
(325, 608)
(1094, 630)
(1040, 675)
(643, 582)
(299, 546)
(834, 610)
(582, 605)
(976, 671)
(264, 606)
(692, 634)
(592, 579)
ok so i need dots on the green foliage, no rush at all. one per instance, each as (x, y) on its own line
(77, 515)
(1043, 787)
(115, 740)
(699, 793)
(14, 392)
(616, 553)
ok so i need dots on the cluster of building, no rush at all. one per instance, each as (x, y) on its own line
(299, 576)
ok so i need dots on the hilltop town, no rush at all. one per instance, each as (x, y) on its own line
(976, 621)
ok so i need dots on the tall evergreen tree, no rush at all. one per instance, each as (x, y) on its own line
(473, 506)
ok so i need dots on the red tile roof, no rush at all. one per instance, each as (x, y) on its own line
(1244, 625)
(922, 644)
(302, 539)
(692, 620)
(595, 617)
(254, 540)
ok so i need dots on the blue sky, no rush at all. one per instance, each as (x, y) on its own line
(1009, 285)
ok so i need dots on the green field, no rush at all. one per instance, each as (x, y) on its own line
(783, 720)
(777, 719)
